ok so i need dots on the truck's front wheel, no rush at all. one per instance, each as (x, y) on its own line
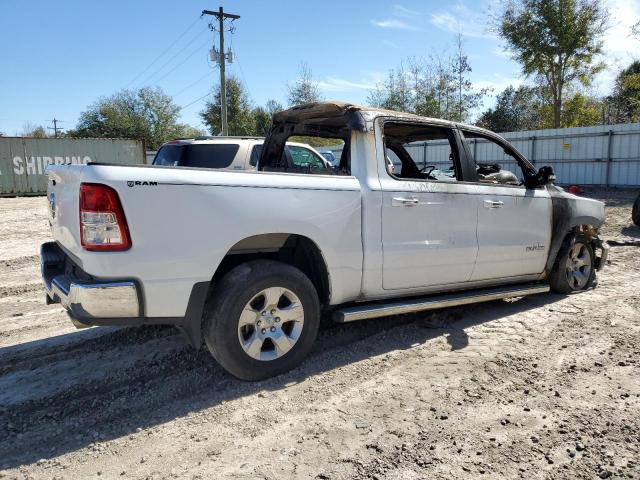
(574, 269)
(262, 319)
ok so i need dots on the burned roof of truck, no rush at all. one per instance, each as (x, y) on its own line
(336, 112)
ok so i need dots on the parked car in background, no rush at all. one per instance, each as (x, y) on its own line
(330, 157)
(247, 261)
(236, 153)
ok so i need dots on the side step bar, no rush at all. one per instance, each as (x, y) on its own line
(374, 310)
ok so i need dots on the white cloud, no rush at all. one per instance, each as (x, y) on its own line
(460, 19)
(497, 83)
(336, 84)
(393, 23)
(400, 11)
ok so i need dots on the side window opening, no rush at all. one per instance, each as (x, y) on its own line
(301, 156)
(421, 152)
(494, 163)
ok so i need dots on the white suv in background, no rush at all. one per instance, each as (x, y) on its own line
(237, 153)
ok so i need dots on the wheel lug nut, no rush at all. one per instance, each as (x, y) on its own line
(277, 319)
(264, 313)
(259, 322)
(273, 312)
(264, 331)
(273, 329)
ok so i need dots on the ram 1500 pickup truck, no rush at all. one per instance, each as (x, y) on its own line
(248, 261)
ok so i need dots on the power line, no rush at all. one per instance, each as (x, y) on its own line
(196, 100)
(163, 52)
(182, 62)
(175, 55)
(192, 84)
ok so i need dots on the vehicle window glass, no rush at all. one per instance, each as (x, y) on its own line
(304, 158)
(256, 151)
(420, 152)
(494, 164)
(169, 155)
(205, 155)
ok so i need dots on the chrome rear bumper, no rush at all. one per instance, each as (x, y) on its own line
(88, 301)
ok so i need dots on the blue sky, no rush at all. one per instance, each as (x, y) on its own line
(59, 57)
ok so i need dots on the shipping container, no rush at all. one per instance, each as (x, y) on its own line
(23, 160)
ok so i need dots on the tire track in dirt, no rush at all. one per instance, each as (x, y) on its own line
(15, 291)
(20, 261)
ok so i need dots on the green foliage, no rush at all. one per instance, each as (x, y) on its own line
(317, 141)
(34, 131)
(146, 114)
(625, 99)
(239, 112)
(515, 109)
(557, 40)
(262, 120)
(305, 89)
(438, 87)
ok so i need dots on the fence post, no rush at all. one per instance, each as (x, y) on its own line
(533, 149)
(424, 155)
(609, 159)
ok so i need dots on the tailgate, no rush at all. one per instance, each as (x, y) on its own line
(63, 188)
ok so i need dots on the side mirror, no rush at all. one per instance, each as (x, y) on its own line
(546, 175)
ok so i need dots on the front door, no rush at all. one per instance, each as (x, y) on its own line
(428, 217)
(514, 222)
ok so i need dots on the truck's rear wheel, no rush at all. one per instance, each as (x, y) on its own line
(574, 269)
(262, 319)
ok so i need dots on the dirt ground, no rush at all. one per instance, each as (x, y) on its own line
(542, 387)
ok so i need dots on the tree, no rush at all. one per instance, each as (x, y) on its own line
(240, 118)
(262, 121)
(558, 40)
(273, 106)
(515, 109)
(305, 89)
(436, 87)
(635, 30)
(35, 131)
(625, 99)
(146, 114)
(467, 98)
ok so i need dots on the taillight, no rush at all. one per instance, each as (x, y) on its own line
(102, 222)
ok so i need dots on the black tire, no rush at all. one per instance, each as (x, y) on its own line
(559, 279)
(230, 296)
(635, 213)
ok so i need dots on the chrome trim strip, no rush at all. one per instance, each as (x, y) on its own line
(364, 312)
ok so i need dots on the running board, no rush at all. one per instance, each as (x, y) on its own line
(374, 310)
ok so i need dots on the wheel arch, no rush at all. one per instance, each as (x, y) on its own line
(297, 250)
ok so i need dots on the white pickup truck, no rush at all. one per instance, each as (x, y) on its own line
(247, 261)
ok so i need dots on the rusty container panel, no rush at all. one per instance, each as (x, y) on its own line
(23, 160)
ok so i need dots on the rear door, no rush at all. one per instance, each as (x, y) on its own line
(428, 215)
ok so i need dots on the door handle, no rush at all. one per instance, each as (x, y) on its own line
(403, 201)
(493, 204)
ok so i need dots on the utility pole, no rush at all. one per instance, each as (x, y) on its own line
(55, 127)
(220, 57)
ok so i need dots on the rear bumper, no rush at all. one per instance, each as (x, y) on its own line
(93, 301)
(89, 301)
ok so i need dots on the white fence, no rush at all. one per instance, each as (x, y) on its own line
(606, 155)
